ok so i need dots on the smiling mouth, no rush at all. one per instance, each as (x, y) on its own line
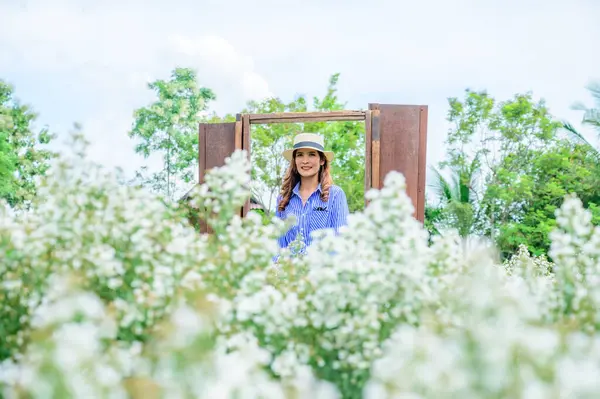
(306, 168)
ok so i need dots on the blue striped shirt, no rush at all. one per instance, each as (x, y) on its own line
(315, 214)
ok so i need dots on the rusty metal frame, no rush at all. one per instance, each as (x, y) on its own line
(372, 135)
(307, 117)
(392, 143)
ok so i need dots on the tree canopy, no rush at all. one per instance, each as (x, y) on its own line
(23, 155)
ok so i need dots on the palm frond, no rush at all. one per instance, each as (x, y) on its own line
(574, 134)
(591, 116)
(594, 89)
(441, 186)
(578, 138)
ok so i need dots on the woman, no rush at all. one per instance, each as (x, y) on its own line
(308, 191)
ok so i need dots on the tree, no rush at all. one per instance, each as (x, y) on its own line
(538, 190)
(169, 126)
(457, 197)
(22, 156)
(507, 138)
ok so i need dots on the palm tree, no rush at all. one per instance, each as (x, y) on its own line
(457, 196)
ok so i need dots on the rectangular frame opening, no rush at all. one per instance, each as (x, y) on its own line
(372, 136)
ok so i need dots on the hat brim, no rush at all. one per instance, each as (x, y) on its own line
(289, 153)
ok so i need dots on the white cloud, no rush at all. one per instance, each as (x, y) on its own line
(228, 71)
(212, 47)
(51, 38)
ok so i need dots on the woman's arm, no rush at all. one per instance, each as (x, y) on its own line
(339, 208)
(282, 239)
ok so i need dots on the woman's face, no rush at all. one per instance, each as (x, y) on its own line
(308, 162)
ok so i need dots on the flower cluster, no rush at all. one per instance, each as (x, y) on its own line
(333, 307)
(131, 250)
(76, 354)
(68, 355)
(237, 246)
(576, 251)
(519, 333)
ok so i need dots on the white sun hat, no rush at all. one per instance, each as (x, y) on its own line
(308, 141)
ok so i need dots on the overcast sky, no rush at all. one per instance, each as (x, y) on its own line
(88, 61)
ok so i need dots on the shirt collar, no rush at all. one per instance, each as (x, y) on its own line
(296, 189)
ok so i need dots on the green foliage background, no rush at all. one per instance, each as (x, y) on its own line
(23, 154)
(508, 165)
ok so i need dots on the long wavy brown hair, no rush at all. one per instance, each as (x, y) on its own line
(292, 177)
